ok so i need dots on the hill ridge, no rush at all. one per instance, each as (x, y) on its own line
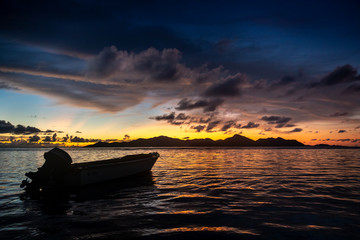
(234, 141)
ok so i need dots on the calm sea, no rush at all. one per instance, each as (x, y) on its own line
(197, 193)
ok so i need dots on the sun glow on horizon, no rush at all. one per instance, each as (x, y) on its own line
(155, 129)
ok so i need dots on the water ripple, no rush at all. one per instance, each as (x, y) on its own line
(195, 193)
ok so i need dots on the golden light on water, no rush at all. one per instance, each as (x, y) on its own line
(209, 229)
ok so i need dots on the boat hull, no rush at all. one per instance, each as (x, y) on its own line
(90, 173)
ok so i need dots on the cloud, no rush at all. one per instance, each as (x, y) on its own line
(354, 140)
(203, 120)
(251, 125)
(209, 124)
(342, 131)
(278, 120)
(172, 118)
(229, 88)
(5, 86)
(105, 63)
(182, 116)
(286, 80)
(47, 139)
(126, 137)
(207, 105)
(116, 80)
(167, 117)
(230, 124)
(198, 128)
(97, 23)
(149, 65)
(296, 130)
(83, 140)
(7, 127)
(66, 138)
(54, 137)
(339, 114)
(354, 88)
(34, 138)
(101, 96)
(212, 125)
(342, 74)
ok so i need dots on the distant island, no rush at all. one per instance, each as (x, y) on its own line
(234, 141)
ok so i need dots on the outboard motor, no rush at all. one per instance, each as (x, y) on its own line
(57, 164)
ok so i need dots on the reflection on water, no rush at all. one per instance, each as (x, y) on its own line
(58, 201)
(195, 193)
(113, 188)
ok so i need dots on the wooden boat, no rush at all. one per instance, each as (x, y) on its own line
(86, 173)
(82, 174)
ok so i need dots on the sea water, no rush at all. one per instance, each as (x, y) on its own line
(194, 193)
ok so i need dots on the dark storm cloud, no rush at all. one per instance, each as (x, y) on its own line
(342, 74)
(103, 97)
(77, 139)
(65, 24)
(7, 127)
(49, 132)
(230, 124)
(162, 66)
(202, 120)
(199, 123)
(20, 129)
(287, 80)
(352, 89)
(278, 120)
(50, 139)
(88, 26)
(182, 116)
(339, 114)
(34, 138)
(17, 56)
(47, 139)
(151, 65)
(341, 140)
(198, 128)
(117, 80)
(212, 125)
(166, 117)
(126, 137)
(105, 63)
(227, 126)
(172, 118)
(229, 88)
(296, 130)
(207, 105)
(163, 46)
(251, 125)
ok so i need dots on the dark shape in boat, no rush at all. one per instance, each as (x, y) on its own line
(58, 170)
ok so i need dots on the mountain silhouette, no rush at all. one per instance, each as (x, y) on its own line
(234, 141)
(277, 142)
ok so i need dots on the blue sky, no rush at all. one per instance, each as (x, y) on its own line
(105, 69)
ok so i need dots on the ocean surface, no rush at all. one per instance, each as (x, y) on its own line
(194, 193)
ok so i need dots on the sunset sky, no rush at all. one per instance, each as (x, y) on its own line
(84, 71)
